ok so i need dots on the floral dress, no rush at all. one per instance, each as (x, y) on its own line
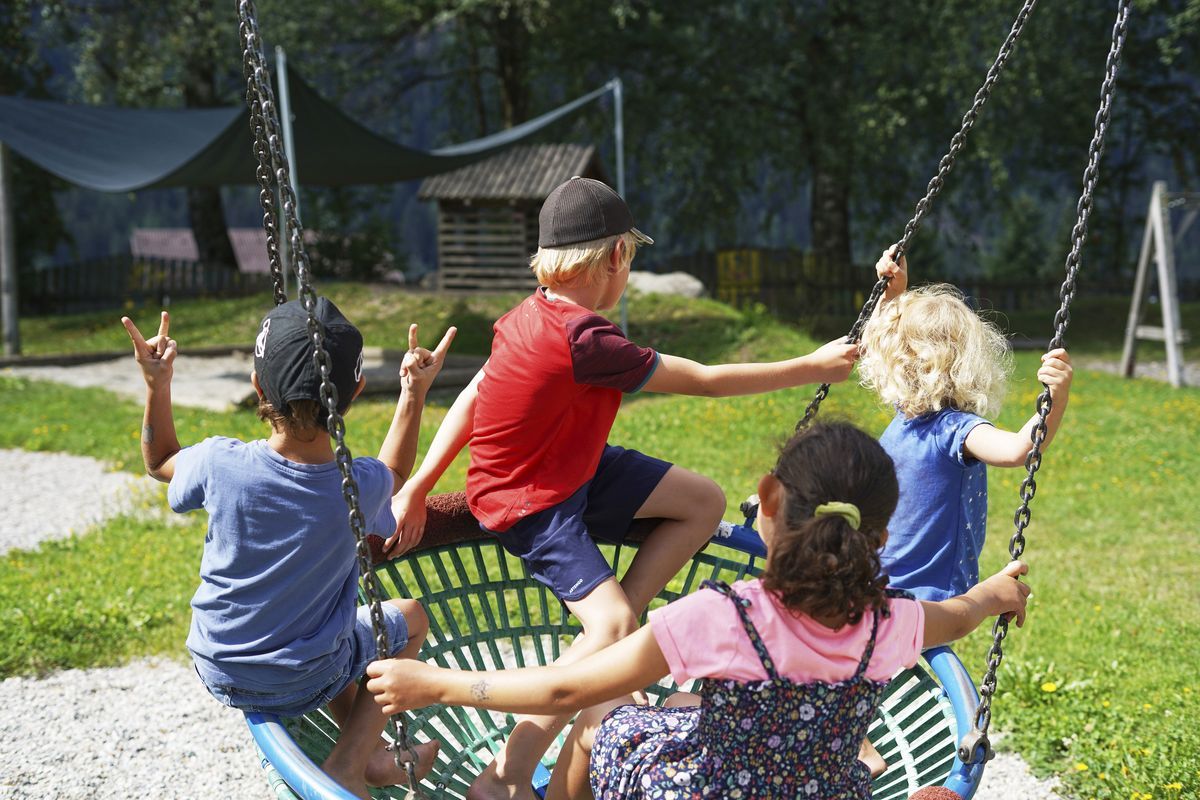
(758, 739)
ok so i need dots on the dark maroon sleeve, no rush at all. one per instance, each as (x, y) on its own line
(602, 356)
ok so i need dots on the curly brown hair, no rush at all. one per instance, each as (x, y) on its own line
(821, 566)
(302, 420)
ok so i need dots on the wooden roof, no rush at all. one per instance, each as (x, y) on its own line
(525, 172)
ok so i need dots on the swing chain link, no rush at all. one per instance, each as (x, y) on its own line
(268, 150)
(931, 191)
(978, 737)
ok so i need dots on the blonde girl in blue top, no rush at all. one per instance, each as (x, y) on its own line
(944, 369)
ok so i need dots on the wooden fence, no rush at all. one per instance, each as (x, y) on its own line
(794, 283)
(114, 281)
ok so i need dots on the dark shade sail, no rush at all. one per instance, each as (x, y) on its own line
(125, 149)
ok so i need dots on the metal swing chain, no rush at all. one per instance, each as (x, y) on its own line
(269, 152)
(975, 745)
(931, 191)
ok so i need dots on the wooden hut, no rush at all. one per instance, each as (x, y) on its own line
(488, 212)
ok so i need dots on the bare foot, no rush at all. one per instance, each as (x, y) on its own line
(490, 786)
(870, 756)
(382, 770)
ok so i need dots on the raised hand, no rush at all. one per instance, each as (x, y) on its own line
(421, 366)
(155, 356)
(898, 272)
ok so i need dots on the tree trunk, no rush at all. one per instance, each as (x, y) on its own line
(205, 209)
(830, 220)
(512, 42)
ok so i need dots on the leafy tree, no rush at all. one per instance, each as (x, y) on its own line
(159, 53)
(39, 228)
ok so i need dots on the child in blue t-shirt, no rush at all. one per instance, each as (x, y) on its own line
(274, 626)
(944, 369)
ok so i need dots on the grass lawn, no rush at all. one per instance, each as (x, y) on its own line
(1100, 687)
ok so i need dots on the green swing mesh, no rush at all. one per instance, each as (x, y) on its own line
(486, 612)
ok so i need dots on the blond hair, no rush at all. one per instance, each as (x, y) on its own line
(579, 264)
(927, 350)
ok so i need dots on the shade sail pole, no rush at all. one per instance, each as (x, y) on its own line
(618, 91)
(8, 259)
(289, 146)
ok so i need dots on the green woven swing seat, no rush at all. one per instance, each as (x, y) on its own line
(486, 612)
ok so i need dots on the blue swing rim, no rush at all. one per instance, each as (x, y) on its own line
(281, 752)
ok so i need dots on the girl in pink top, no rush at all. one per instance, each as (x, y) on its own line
(795, 660)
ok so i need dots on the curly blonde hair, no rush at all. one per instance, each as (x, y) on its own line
(579, 264)
(927, 350)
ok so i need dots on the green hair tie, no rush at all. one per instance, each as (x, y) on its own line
(847, 511)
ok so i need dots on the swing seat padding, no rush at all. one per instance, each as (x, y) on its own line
(485, 612)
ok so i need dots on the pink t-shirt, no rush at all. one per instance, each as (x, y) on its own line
(702, 636)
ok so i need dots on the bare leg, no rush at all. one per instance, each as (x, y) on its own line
(570, 780)
(690, 506)
(871, 757)
(682, 700)
(606, 617)
(359, 757)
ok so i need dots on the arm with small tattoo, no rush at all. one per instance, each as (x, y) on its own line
(626, 666)
(156, 358)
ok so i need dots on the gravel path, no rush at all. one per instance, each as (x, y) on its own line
(1152, 369)
(213, 382)
(149, 728)
(52, 495)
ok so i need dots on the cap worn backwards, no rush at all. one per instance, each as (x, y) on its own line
(583, 210)
(283, 355)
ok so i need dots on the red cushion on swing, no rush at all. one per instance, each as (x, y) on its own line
(935, 793)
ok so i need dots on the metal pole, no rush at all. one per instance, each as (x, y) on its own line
(289, 148)
(619, 133)
(8, 260)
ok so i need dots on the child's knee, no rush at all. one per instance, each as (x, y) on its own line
(612, 626)
(707, 499)
(415, 618)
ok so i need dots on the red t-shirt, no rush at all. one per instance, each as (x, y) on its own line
(547, 401)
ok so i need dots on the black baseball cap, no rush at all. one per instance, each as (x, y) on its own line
(283, 355)
(583, 210)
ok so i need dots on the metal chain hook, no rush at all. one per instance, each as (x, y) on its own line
(272, 171)
(931, 191)
(975, 745)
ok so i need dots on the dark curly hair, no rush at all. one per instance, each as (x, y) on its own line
(821, 566)
(303, 419)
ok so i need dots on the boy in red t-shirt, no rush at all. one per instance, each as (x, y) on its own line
(542, 477)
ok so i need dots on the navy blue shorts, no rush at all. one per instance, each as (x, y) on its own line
(557, 544)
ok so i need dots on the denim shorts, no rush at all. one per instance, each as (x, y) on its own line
(557, 544)
(296, 702)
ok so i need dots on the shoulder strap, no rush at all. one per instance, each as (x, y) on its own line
(869, 650)
(740, 604)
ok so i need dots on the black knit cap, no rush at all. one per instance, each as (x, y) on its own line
(283, 355)
(583, 210)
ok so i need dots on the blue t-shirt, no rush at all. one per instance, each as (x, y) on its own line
(937, 532)
(275, 608)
